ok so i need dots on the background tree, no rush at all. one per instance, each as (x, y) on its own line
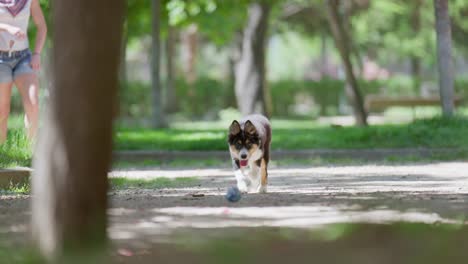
(342, 42)
(158, 118)
(250, 83)
(170, 98)
(444, 56)
(73, 156)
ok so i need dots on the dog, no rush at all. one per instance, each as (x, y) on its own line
(249, 145)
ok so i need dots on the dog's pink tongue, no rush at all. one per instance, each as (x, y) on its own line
(243, 163)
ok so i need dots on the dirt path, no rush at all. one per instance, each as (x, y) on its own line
(299, 197)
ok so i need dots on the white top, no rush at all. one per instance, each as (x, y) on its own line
(8, 42)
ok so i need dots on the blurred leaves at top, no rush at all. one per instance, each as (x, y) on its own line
(304, 72)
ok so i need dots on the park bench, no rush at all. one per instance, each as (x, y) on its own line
(376, 103)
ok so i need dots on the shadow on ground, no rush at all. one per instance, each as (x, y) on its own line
(347, 214)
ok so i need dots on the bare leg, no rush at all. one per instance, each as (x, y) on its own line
(5, 97)
(28, 86)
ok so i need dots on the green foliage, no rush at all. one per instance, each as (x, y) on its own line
(207, 14)
(386, 30)
(218, 20)
(135, 100)
(209, 96)
(461, 87)
(326, 93)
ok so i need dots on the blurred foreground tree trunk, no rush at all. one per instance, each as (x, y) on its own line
(250, 84)
(342, 42)
(444, 56)
(158, 118)
(123, 56)
(69, 183)
(170, 101)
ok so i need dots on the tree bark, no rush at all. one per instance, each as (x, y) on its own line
(250, 87)
(69, 183)
(171, 42)
(342, 43)
(158, 119)
(190, 45)
(416, 27)
(444, 55)
(235, 52)
(123, 56)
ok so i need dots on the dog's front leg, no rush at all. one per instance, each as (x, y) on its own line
(262, 188)
(254, 176)
(240, 177)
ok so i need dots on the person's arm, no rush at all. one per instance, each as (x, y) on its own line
(39, 21)
(16, 31)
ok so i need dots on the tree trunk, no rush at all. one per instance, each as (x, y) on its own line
(342, 43)
(235, 51)
(123, 80)
(73, 155)
(158, 119)
(416, 27)
(250, 71)
(190, 38)
(123, 56)
(444, 54)
(171, 42)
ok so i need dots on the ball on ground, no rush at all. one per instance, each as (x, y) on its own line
(233, 194)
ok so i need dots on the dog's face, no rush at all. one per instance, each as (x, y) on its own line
(244, 144)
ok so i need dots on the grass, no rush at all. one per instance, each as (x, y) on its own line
(119, 183)
(287, 135)
(17, 189)
(431, 133)
(180, 163)
(314, 161)
(16, 151)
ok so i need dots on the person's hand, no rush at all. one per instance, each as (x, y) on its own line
(36, 61)
(17, 32)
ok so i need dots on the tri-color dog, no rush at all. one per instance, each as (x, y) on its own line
(249, 144)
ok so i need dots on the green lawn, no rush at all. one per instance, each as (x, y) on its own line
(16, 151)
(156, 183)
(287, 135)
(120, 183)
(434, 132)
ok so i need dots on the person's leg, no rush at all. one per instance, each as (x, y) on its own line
(28, 86)
(25, 79)
(5, 96)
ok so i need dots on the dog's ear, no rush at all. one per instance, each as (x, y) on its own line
(235, 128)
(250, 128)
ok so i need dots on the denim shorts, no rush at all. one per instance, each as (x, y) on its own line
(14, 64)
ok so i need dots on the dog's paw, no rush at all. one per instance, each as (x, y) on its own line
(242, 186)
(262, 189)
